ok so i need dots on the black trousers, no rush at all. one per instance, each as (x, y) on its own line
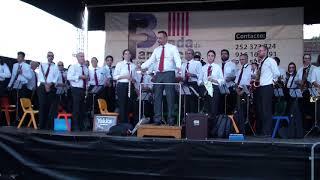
(164, 77)
(111, 98)
(212, 103)
(191, 104)
(78, 109)
(264, 109)
(242, 103)
(48, 107)
(125, 103)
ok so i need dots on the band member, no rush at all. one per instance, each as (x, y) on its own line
(4, 74)
(21, 74)
(212, 73)
(266, 74)
(243, 82)
(48, 77)
(190, 73)
(62, 88)
(229, 70)
(167, 59)
(110, 84)
(97, 78)
(33, 85)
(295, 127)
(78, 74)
(303, 80)
(124, 74)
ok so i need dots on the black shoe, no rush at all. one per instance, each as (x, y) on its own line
(157, 123)
(171, 122)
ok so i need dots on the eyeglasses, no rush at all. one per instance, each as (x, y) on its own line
(50, 55)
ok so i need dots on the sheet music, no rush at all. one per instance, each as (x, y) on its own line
(60, 90)
(209, 88)
(96, 89)
(224, 89)
(194, 91)
(295, 93)
(278, 92)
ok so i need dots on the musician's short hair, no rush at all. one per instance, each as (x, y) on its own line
(225, 50)
(95, 58)
(211, 51)
(245, 55)
(163, 32)
(192, 51)
(277, 60)
(109, 56)
(306, 54)
(20, 53)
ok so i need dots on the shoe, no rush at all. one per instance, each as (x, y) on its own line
(157, 123)
(171, 122)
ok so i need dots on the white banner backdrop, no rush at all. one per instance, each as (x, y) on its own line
(239, 31)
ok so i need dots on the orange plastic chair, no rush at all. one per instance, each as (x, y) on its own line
(27, 109)
(104, 108)
(7, 108)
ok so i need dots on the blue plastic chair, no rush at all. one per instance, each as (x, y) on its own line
(278, 119)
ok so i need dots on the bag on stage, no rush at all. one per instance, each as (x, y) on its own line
(123, 129)
(222, 129)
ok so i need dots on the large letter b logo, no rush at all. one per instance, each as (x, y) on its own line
(141, 33)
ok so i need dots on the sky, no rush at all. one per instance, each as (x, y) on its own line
(29, 29)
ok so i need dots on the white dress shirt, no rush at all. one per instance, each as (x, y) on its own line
(172, 58)
(300, 73)
(246, 75)
(32, 84)
(24, 77)
(53, 73)
(269, 71)
(122, 70)
(73, 75)
(62, 89)
(290, 83)
(101, 76)
(315, 77)
(216, 74)
(194, 68)
(230, 70)
(145, 79)
(4, 72)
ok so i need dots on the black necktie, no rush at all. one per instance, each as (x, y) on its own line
(240, 77)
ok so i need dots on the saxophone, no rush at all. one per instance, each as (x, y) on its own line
(256, 81)
(304, 84)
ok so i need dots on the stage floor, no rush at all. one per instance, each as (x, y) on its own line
(88, 155)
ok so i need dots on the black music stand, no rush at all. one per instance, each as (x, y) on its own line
(17, 85)
(94, 91)
(314, 98)
(247, 92)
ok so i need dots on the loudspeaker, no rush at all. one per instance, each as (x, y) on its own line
(196, 126)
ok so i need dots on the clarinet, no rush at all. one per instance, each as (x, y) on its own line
(129, 87)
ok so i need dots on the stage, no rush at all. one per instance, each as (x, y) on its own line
(35, 154)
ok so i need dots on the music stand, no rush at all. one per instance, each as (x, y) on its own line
(295, 93)
(198, 96)
(314, 98)
(145, 95)
(185, 91)
(246, 90)
(95, 90)
(17, 85)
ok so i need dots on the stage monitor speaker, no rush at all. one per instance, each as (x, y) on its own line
(196, 126)
(103, 123)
